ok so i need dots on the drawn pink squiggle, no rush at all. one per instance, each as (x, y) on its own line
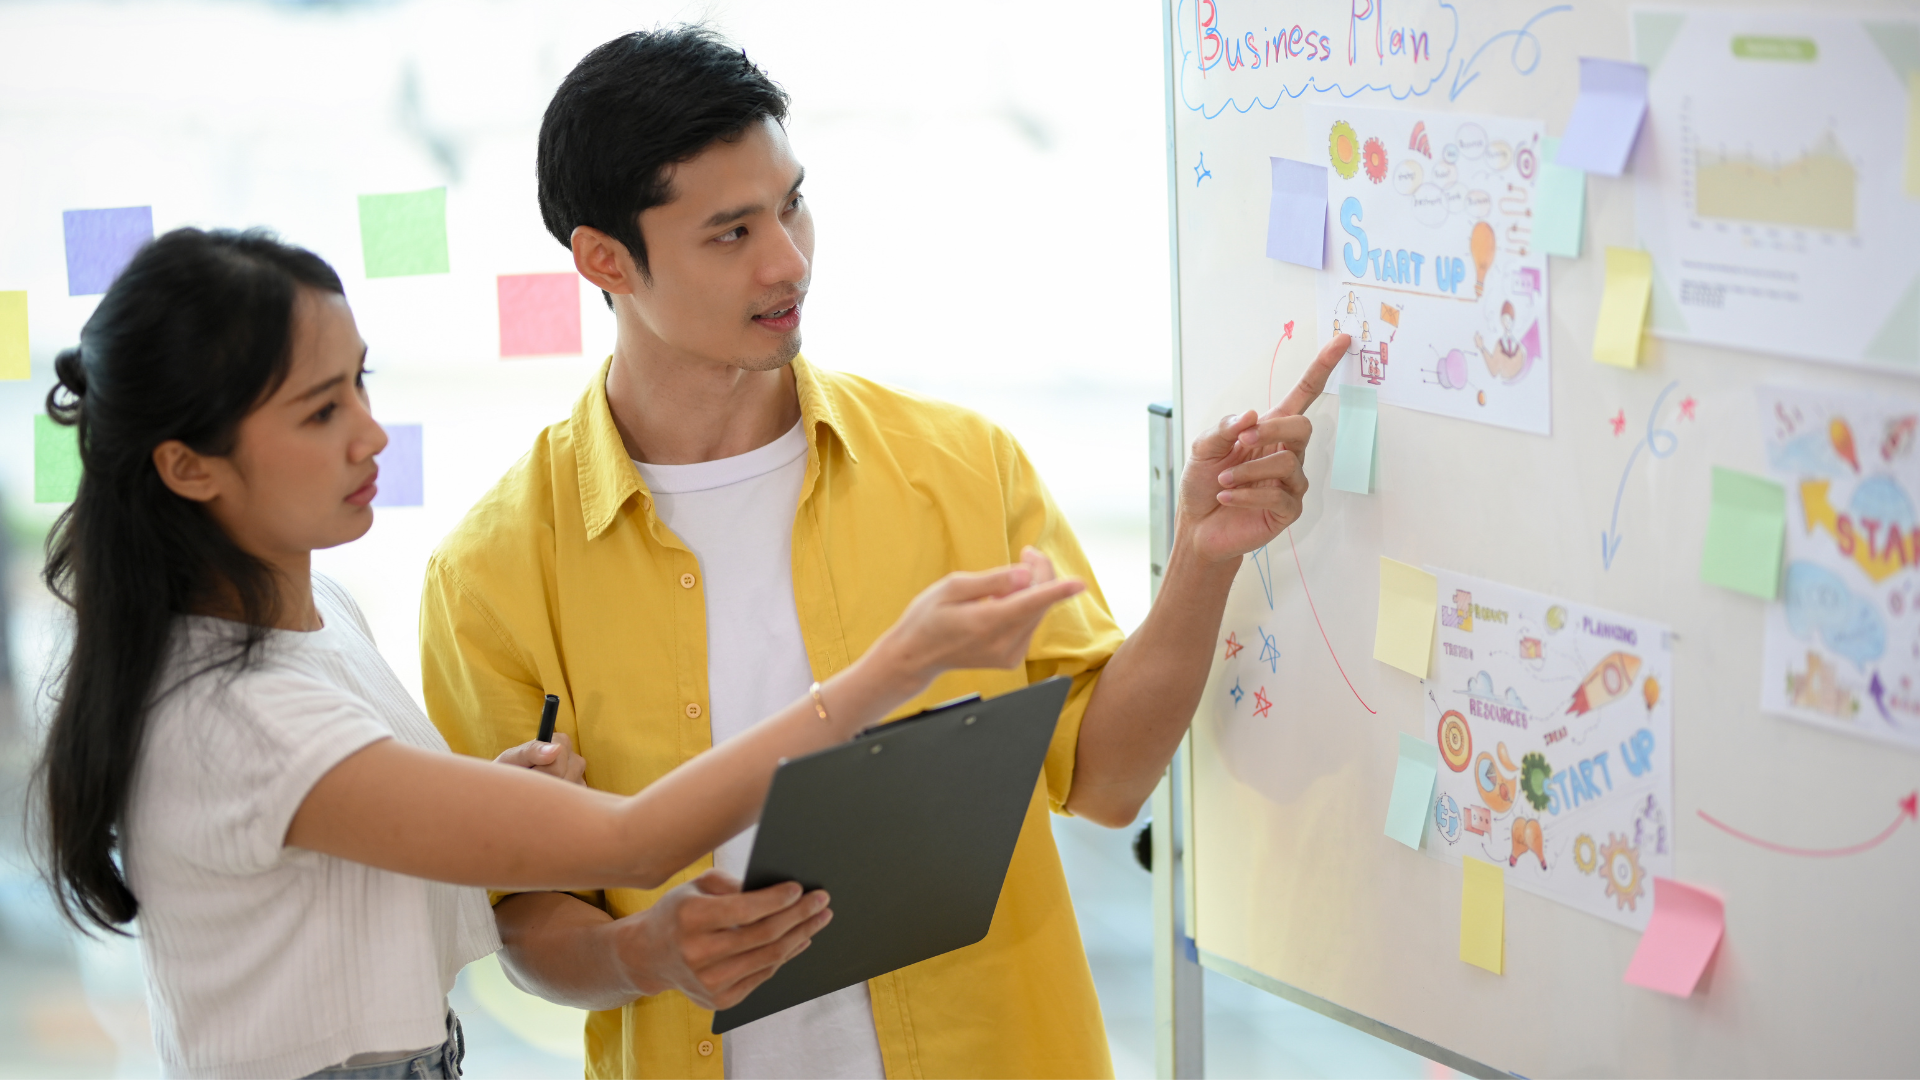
(1909, 809)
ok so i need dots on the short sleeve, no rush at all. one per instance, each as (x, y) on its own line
(240, 755)
(1077, 637)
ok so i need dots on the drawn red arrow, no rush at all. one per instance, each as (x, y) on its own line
(1909, 811)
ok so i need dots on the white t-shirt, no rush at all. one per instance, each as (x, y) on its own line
(264, 960)
(736, 516)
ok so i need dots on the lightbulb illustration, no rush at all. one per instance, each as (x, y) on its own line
(1481, 245)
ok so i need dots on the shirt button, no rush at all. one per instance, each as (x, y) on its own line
(693, 710)
(687, 580)
(705, 1048)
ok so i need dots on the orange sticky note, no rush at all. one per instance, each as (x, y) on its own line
(1483, 915)
(1680, 938)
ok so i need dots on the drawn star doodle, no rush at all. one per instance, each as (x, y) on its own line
(1260, 703)
(1200, 171)
(1233, 646)
(1269, 651)
(1619, 422)
(1237, 692)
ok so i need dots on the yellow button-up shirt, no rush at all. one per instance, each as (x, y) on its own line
(563, 580)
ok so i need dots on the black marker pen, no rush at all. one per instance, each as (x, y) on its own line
(547, 712)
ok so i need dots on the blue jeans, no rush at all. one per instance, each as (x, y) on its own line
(436, 1063)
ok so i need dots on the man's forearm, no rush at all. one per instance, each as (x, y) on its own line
(556, 946)
(1148, 691)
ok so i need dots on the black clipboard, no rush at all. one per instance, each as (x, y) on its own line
(910, 827)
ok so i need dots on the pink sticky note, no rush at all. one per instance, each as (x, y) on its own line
(539, 314)
(1680, 938)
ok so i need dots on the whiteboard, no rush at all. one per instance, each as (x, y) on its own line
(1295, 887)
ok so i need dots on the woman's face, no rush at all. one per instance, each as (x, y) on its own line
(301, 475)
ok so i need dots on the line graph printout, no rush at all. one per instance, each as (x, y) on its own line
(1431, 266)
(1768, 183)
(1843, 639)
(1554, 722)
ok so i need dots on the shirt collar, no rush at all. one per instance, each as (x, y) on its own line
(607, 477)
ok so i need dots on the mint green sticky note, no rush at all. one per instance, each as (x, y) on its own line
(1562, 220)
(1746, 528)
(56, 461)
(1412, 790)
(405, 233)
(1354, 439)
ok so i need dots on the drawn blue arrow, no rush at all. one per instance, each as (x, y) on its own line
(1659, 442)
(1523, 36)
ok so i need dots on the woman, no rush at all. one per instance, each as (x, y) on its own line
(303, 852)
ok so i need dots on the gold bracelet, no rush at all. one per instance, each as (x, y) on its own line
(819, 703)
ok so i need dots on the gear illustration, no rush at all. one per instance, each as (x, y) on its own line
(1343, 148)
(1620, 863)
(1375, 156)
(1534, 773)
(1586, 853)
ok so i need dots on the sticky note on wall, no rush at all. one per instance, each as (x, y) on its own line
(1355, 438)
(539, 314)
(1297, 213)
(100, 243)
(1680, 938)
(1746, 529)
(1413, 778)
(1483, 915)
(401, 477)
(1403, 632)
(1561, 225)
(13, 335)
(405, 233)
(1606, 116)
(56, 461)
(1623, 307)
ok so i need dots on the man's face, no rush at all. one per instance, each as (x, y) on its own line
(731, 254)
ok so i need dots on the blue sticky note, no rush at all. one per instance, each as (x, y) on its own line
(1412, 790)
(1606, 117)
(1562, 222)
(1297, 214)
(400, 473)
(100, 243)
(1354, 438)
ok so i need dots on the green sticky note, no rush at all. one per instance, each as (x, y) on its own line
(1623, 307)
(1412, 790)
(13, 335)
(405, 233)
(1354, 439)
(1403, 627)
(1562, 221)
(1483, 915)
(56, 461)
(1746, 528)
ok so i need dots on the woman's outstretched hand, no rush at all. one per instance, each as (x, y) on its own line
(973, 620)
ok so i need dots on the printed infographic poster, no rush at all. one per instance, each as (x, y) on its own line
(1771, 185)
(1554, 722)
(1431, 266)
(1843, 640)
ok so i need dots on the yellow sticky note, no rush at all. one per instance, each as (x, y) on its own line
(1913, 134)
(1483, 915)
(13, 335)
(1403, 633)
(1623, 307)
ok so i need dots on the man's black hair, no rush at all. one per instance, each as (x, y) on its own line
(633, 107)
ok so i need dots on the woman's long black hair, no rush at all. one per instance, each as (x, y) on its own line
(194, 335)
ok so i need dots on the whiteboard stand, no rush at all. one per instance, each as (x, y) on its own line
(1179, 1033)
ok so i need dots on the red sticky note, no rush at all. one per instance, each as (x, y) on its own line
(539, 314)
(1680, 938)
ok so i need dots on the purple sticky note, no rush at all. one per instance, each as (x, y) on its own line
(1297, 215)
(99, 244)
(400, 467)
(1606, 117)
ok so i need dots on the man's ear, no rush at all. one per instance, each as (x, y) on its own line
(604, 261)
(185, 472)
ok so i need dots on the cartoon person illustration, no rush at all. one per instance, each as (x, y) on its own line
(1508, 359)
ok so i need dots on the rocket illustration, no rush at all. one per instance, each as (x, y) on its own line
(1609, 679)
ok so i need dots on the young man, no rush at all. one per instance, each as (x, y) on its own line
(718, 525)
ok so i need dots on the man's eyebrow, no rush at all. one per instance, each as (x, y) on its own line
(735, 214)
(325, 385)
